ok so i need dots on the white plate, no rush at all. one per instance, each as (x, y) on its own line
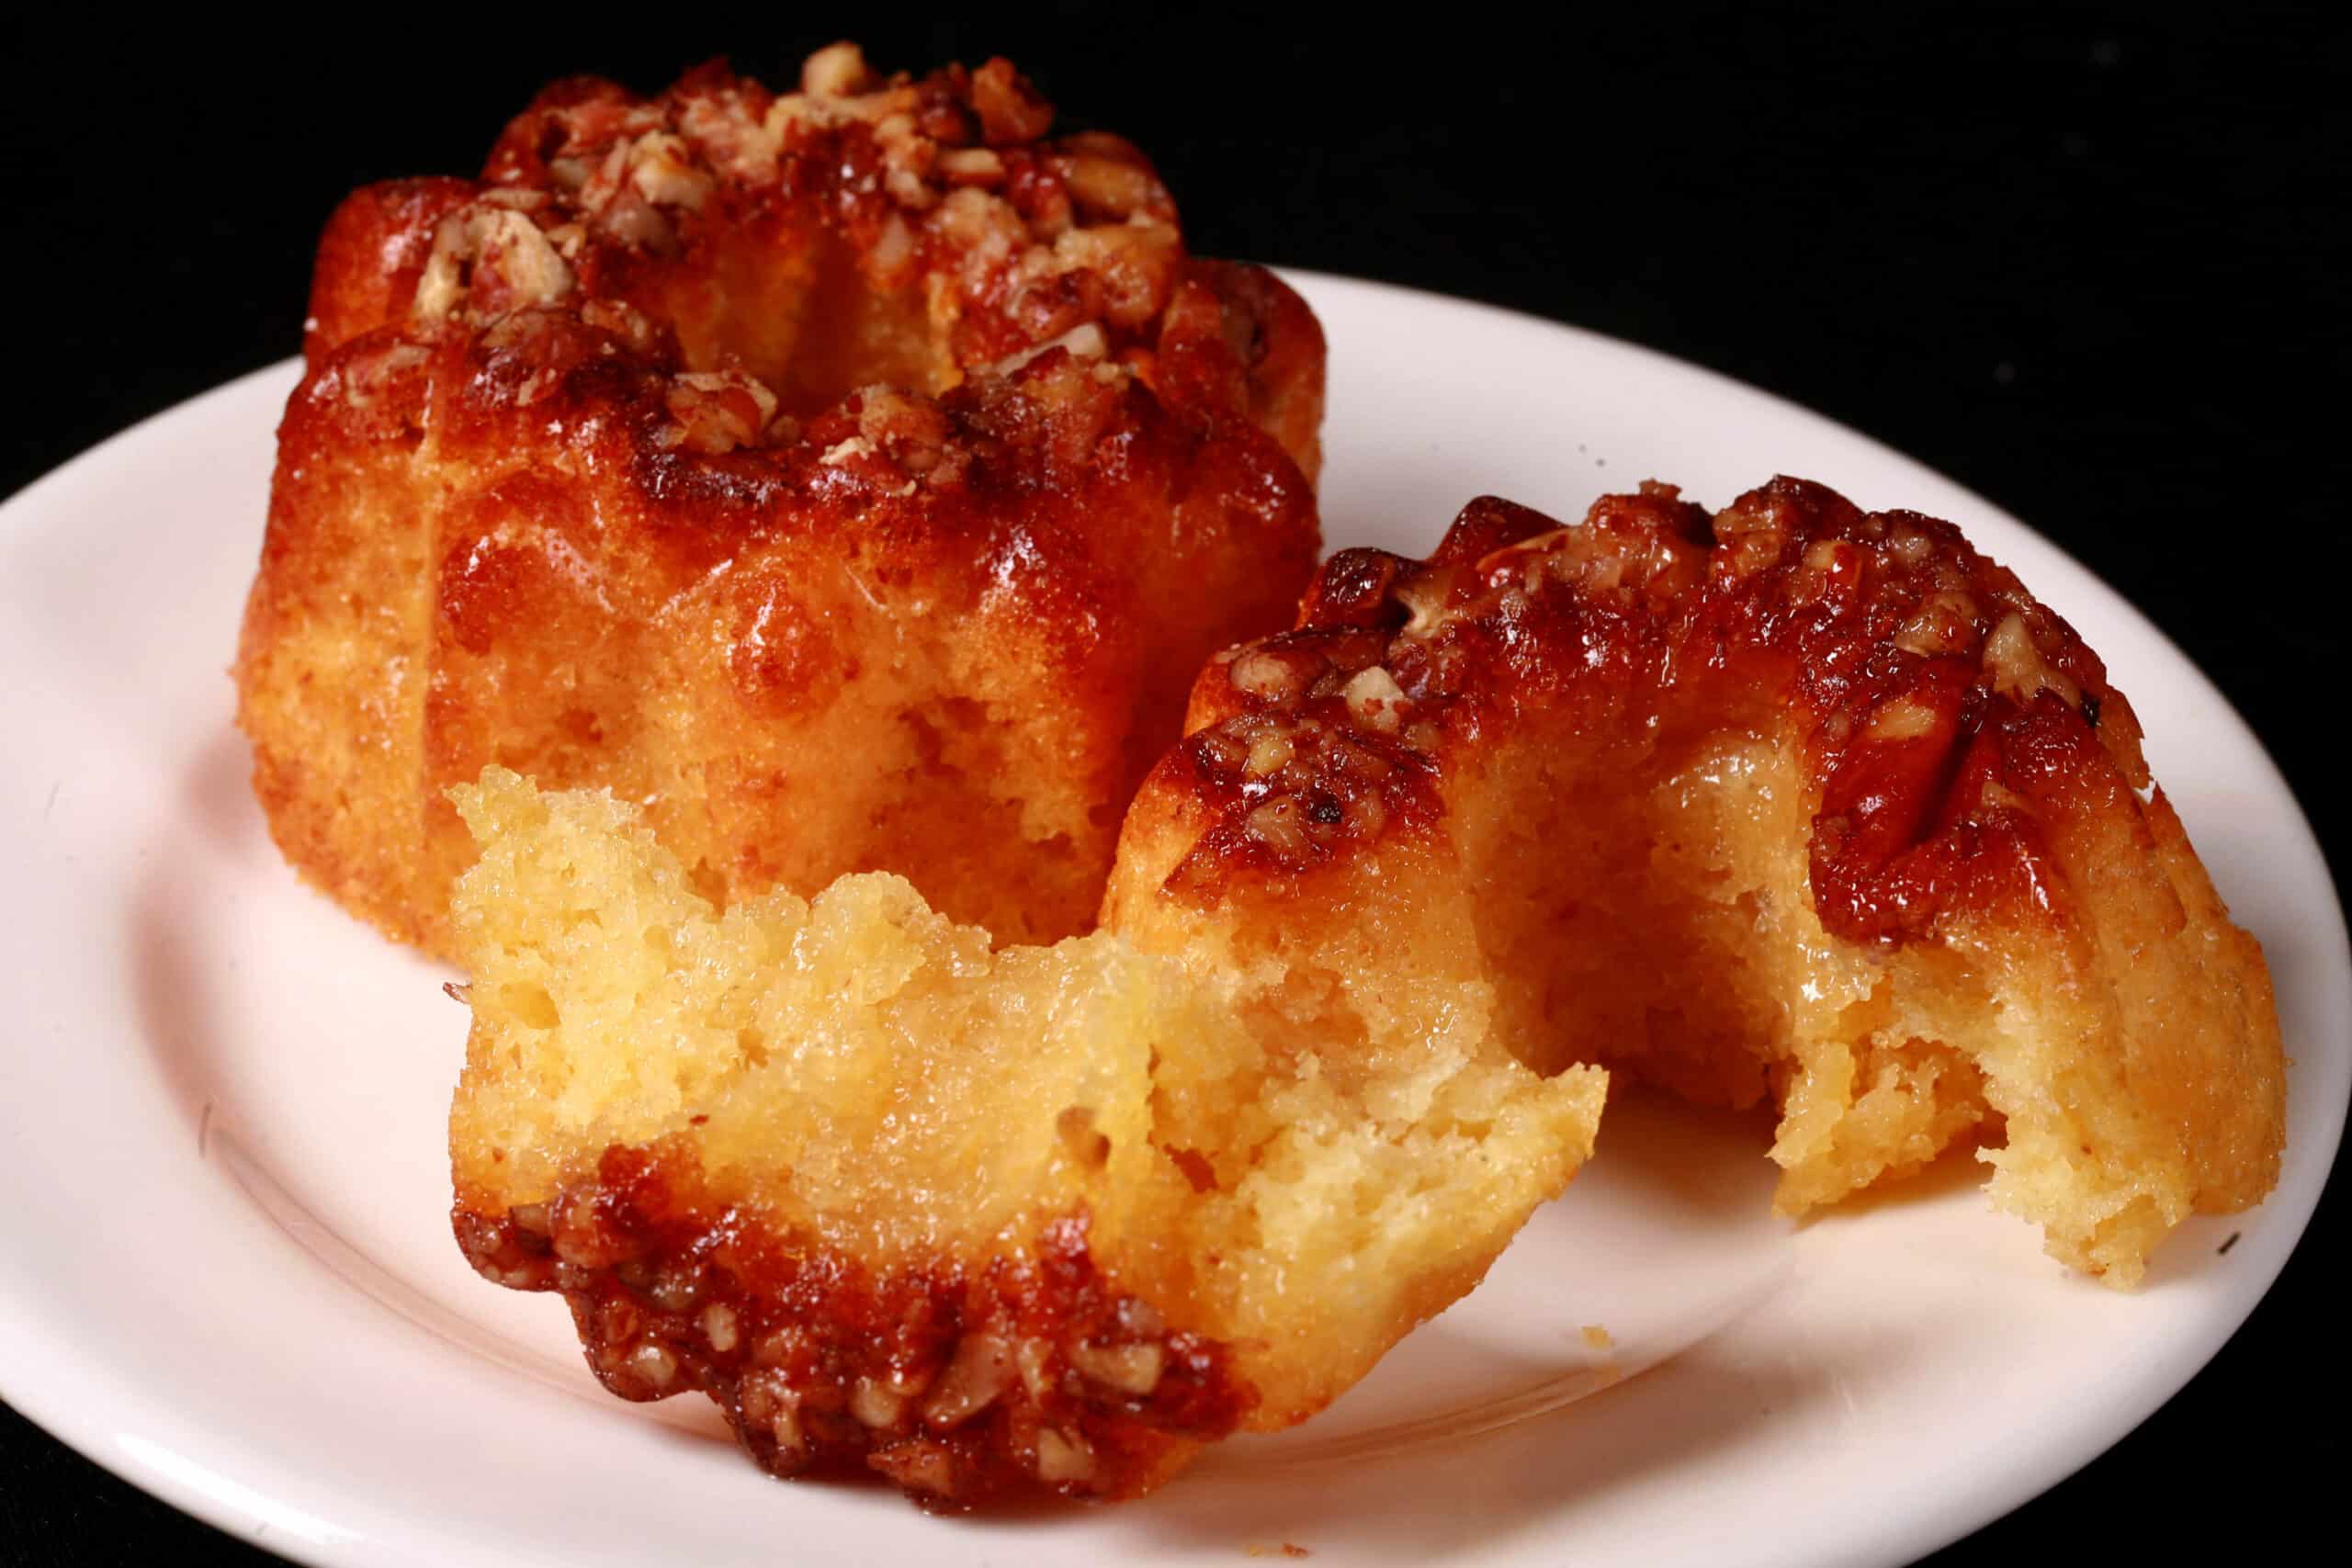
(225, 1263)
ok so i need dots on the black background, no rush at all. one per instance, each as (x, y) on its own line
(2087, 260)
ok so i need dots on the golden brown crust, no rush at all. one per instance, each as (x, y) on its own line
(374, 250)
(1804, 748)
(904, 448)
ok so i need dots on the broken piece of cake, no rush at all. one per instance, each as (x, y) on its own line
(1793, 802)
(979, 1220)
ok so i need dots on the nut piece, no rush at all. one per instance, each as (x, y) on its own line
(1270, 749)
(718, 411)
(1900, 719)
(1945, 623)
(1274, 675)
(662, 167)
(836, 71)
(982, 1368)
(1064, 1458)
(920, 1465)
(972, 165)
(1010, 112)
(1036, 1358)
(769, 1402)
(1084, 341)
(1375, 699)
(653, 1363)
(1278, 825)
(1110, 186)
(489, 245)
(1130, 1369)
(2017, 667)
(876, 1404)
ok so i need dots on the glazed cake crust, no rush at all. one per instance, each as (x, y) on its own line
(1838, 780)
(1917, 670)
(959, 1382)
(850, 475)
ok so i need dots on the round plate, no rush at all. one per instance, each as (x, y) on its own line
(225, 1264)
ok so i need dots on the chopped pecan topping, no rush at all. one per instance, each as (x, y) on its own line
(956, 1386)
(1928, 683)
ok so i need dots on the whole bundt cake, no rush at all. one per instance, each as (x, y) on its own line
(852, 478)
(1794, 801)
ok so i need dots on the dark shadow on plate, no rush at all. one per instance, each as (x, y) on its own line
(1708, 1163)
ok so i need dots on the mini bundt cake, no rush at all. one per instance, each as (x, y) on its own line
(978, 1220)
(853, 477)
(1797, 801)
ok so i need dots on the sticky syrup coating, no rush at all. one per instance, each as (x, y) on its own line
(854, 477)
(1793, 802)
(982, 1219)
